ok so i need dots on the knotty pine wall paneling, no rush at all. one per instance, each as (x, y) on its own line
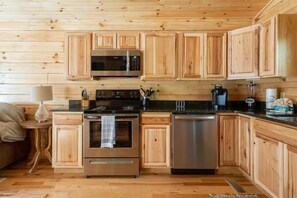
(32, 48)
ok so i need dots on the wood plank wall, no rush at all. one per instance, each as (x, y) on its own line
(32, 43)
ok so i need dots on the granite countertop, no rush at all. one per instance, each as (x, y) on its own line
(199, 107)
(204, 107)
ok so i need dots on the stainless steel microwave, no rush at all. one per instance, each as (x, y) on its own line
(111, 63)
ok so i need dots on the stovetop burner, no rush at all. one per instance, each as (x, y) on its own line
(116, 101)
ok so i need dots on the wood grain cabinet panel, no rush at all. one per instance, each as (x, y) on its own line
(160, 56)
(290, 172)
(78, 59)
(115, 40)
(268, 164)
(228, 140)
(278, 46)
(155, 140)
(67, 142)
(267, 48)
(215, 55)
(192, 56)
(104, 40)
(156, 146)
(244, 144)
(128, 40)
(243, 52)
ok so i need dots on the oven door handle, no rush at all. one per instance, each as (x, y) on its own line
(94, 162)
(116, 117)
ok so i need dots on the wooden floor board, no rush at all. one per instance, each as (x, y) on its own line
(44, 183)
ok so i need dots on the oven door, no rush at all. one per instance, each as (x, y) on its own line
(126, 141)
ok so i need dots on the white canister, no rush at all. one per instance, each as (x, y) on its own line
(271, 95)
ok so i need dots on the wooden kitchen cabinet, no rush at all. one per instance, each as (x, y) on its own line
(243, 52)
(160, 57)
(215, 55)
(228, 140)
(192, 56)
(78, 55)
(115, 40)
(67, 140)
(278, 46)
(155, 138)
(290, 172)
(275, 158)
(244, 144)
(268, 164)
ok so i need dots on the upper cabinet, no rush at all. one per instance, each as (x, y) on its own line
(160, 58)
(192, 56)
(203, 55)
(78, 55)
(215, 55)
(112, 40)
(278, 46)
(243, 52)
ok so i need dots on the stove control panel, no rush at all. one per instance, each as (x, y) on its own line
(117, 94)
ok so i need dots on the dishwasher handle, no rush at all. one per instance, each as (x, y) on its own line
(194, 117)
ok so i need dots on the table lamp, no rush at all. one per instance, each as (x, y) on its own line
(40, 94)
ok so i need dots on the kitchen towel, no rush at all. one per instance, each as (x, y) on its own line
(107, 131)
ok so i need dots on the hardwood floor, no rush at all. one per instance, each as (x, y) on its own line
(45, 183)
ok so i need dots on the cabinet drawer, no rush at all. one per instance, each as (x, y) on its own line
(276, 131)
(64, 118)
(156, 118)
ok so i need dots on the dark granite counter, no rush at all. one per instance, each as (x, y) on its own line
(199, 107)
(75, 106)
(204, 107)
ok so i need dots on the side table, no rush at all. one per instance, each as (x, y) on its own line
(39, 128)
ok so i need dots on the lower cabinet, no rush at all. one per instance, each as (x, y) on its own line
(67, 140)
(244, 144)
(268, 164)
(228, 140)
(155, 140)
(290, 171)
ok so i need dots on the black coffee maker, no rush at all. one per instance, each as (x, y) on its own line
(219, 97)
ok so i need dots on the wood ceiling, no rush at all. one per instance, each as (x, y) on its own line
(137, 14)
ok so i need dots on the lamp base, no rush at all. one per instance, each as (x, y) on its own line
(41, 114)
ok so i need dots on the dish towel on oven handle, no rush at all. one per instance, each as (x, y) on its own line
(108, 131)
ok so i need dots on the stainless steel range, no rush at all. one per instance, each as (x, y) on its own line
(121, 156)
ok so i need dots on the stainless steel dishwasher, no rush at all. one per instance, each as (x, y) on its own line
(195, 144)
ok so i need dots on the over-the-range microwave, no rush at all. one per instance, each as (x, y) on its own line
(115, 62)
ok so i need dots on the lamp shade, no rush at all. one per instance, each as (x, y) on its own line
(41, 93)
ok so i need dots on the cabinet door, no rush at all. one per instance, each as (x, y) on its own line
(160, 56)
(243, 52)
(244, 142)
(286, 44)
(192, 65)
(215, 55)
(155, 146)
(78, 59)
(268, 165)
(67, 146)
(104, 40)
(128, 40)
(228, 140)
(290, 172)
(267, 48)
